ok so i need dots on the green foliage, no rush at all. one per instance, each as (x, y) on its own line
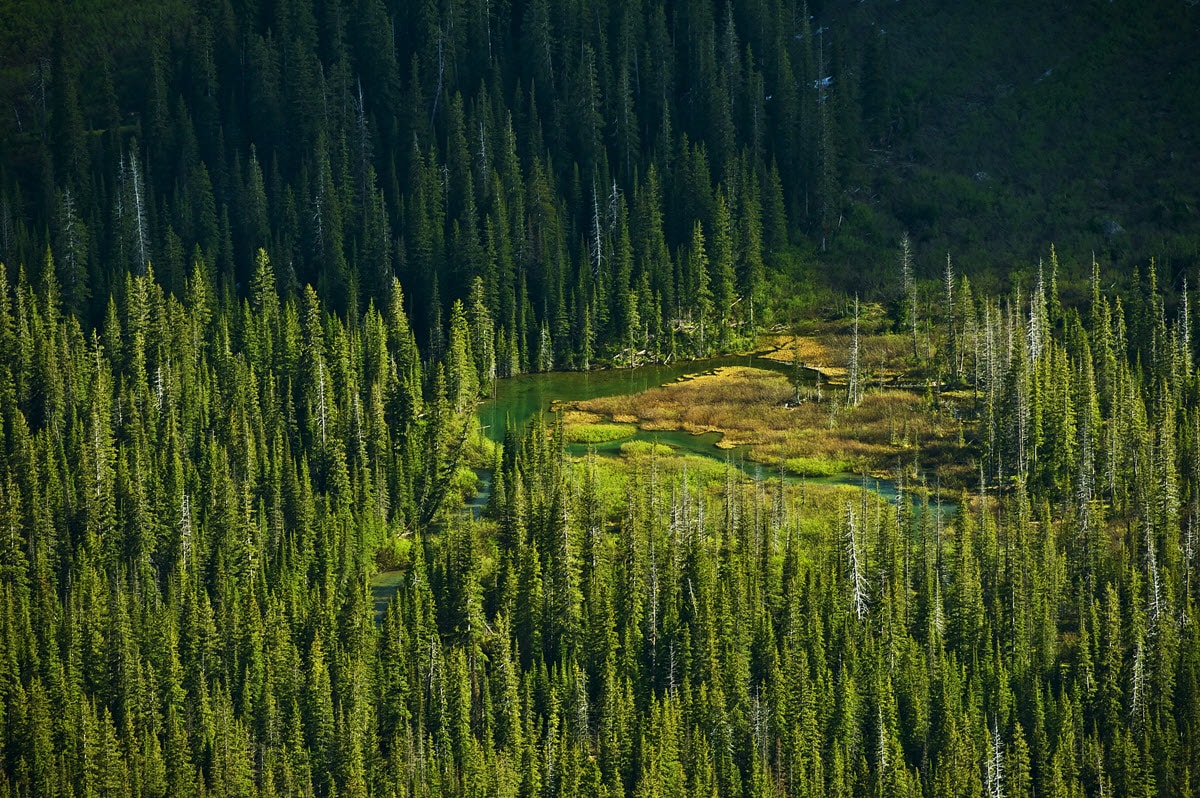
(220, 414)
(815, 466)
(598, 433)
(199, 497)
(645, 449)
(558, 196)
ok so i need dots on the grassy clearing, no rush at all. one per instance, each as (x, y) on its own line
(809, 511)
(891, 428)
(792, 348)
(883, 358)
(816, 466)
(641, 464)
(646, 449)
(738, 402)
(575, 418)
(598, 432)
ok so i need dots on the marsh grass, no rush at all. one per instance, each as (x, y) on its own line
(816, 466)
(883, 358)
(646, 473)
(646, 449)
(642, 463)
(738, 402)
(597, 432)
(890, 428)
(792, 348)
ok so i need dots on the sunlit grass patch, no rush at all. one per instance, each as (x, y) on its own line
(737, 401)
(574, 418)
(608, 475)
(614, 476)
(810, 436)
(815, 466)
(805, 349)
(881, 357)
(699, 470)
(600, 432)
(646, 449)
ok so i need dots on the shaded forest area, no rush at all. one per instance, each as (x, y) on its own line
(619, 175)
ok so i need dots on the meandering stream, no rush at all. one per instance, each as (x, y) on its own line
(518, 399)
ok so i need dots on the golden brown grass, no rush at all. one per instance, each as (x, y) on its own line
(889, 428)
(881, 357)
(582, 427)
(739, 402)
(573, 418)
(790, 348)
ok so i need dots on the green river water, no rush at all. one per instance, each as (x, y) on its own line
(516, 400)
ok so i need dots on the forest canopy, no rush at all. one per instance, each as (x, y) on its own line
(260, 260)
(612, 171)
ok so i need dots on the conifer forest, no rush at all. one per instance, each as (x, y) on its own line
(540, 398)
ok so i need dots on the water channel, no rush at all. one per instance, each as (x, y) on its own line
(516, 400)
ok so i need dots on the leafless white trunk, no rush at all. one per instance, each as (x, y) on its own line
(856, 566)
